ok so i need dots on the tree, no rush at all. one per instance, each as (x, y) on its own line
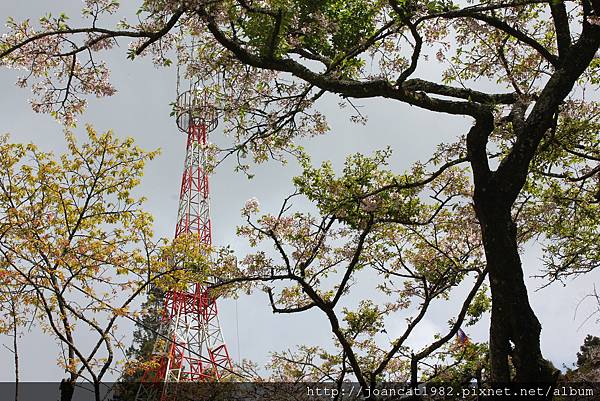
(145, 335)
(408, 253)
(587, 359)
(268, 63)
(588, 365)
(77, 247)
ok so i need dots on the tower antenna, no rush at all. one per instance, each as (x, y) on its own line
(196, 350)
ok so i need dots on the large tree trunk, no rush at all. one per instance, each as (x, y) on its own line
(513, 322)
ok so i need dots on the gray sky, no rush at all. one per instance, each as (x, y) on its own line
(141, 109)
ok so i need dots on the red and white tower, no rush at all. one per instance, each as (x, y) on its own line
(190, 345)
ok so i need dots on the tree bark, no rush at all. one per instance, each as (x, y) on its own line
(514, 330)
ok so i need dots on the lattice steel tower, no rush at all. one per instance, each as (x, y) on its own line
(190, 345)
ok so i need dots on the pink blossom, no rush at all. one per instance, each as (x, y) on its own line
(251, 206)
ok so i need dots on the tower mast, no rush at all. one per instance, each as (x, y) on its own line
(190, 346)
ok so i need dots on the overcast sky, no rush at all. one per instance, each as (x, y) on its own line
(141, 109)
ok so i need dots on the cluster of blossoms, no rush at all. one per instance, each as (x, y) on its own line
(251, 206)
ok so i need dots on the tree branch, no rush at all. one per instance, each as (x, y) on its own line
(459, 319)
(512, 172)
(561, 26)
(344, 87)
(107, 33)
